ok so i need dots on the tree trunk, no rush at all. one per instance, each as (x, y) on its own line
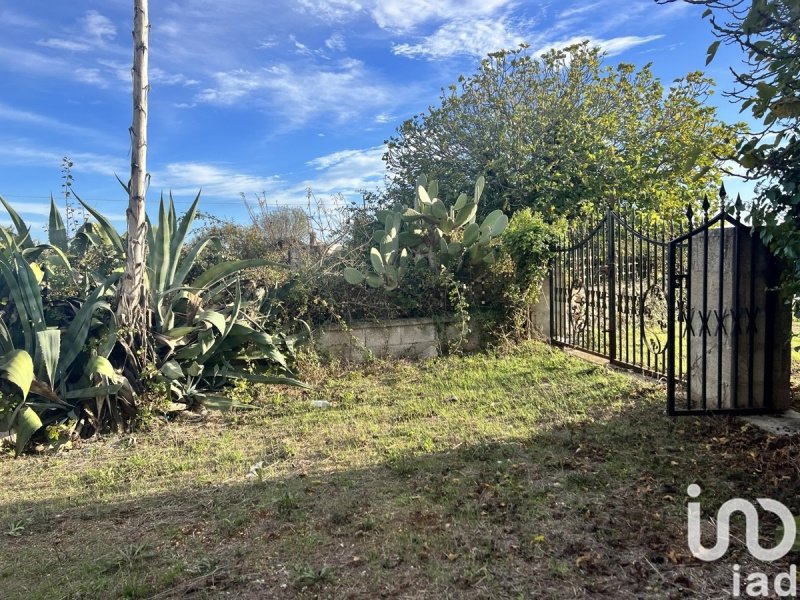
(132, 305)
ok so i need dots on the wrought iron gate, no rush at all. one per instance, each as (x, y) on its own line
(609, 293)
(689, 305)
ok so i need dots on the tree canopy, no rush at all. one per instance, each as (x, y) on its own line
(565, 133)
(768, 85)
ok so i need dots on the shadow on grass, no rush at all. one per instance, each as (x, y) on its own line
(590, 509)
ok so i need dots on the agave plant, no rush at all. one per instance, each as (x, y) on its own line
(53, 367)
(60, 356)
(204, 340)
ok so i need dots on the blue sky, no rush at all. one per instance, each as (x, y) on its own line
(250, 96)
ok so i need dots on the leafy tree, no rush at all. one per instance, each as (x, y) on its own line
(565, 133)
(768, 85)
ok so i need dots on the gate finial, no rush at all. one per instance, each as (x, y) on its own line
(689, 215)
(722, 196)
(706, 206)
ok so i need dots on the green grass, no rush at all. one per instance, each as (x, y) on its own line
(527, 475)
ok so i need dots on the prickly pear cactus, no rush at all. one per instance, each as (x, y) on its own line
(430, 231)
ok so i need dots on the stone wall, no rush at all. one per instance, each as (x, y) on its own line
(399, 338)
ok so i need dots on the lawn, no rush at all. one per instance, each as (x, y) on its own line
(531, 474)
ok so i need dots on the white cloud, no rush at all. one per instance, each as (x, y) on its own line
(401, 15)
(21, 154)
(343, 91)
(98, 27)
(299, 47)
(579, 9)
(185, 178)
(617, 45)
(91, 76)
(346, 172)
(404, 15)
(97, 31)
(330, 10)
(61, 44)
(122, 72)
(611, 46)
(336, 42)
(470, 37)
(267, 43)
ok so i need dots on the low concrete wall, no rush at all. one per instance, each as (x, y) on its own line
(399, 338)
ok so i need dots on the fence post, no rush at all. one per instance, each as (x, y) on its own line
(671, 318)
(551, 301)
(611, 276)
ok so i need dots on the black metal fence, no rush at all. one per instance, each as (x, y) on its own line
(687, 303)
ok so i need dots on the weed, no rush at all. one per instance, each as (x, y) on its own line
(307, 576)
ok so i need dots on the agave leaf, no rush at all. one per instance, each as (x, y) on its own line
(217, 402)
(47, 353)
(56, 232)
(225, 269)
(172, 370)
(100, 365)
(25, 424)
(150, 234)
(14, 289)
(180, 236)
(27, 294)
(106, 227)
(214, 318)
(59, 259)
(194, 370)
(273, 379)
(173, 219)
(179, 332)
(160, 250)
(125, 186)
(7, 240)
(96, 391)
(189, 260)
(6, 341)
(18, 368)
(237, 305)
(23, 231)
(74, 337)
